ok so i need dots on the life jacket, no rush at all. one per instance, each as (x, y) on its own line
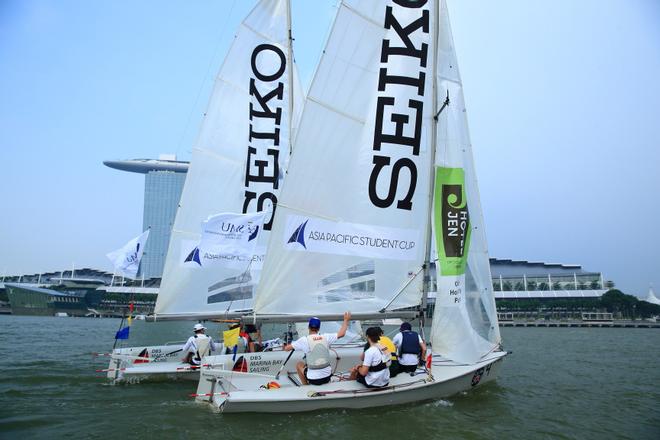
(387, 343)
(409, 343)
(385, 360)
(203, 346)
(319, 352)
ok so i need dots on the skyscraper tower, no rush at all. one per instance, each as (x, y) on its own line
(163, 184)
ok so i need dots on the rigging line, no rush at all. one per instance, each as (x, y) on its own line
(333, 219)
(208, 69)
(402, 288)
(444, 104)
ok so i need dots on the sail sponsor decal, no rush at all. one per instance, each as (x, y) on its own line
(398, 134)
(451, 222)
(312, 234)
(268, 129)
(227, 239)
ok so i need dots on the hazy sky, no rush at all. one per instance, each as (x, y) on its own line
(563, 98)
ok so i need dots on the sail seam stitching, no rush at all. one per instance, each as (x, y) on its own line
(333, 109)
(362, 16)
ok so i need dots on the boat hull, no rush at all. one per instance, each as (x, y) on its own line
(165, 363)
(447, 380)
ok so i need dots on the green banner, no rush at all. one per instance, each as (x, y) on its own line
(451, 220)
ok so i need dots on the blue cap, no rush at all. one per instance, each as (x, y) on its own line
(314, 323)
(405, 326)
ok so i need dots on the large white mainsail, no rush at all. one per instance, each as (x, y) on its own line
(465, 324)
(238, 164)
(350, 227)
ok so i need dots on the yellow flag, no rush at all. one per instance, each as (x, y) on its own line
(231, 337)
(130, 320)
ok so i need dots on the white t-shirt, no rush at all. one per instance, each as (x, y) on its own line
(406, 358)
(191, 344)
(373, 357)
(303, 345)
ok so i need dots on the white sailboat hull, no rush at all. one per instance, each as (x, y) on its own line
(164, 362)
(448, 379)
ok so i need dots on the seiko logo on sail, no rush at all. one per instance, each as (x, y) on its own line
(394, 89)
(262, 169)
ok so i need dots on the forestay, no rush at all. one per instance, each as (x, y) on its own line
(465, 324)
(350, 227)
(238, 164)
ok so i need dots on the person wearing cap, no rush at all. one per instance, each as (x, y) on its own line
(197, 346)
(410, 348)
(316, 346)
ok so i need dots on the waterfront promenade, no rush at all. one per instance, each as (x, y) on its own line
(577, 323)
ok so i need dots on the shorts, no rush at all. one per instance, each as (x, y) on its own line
(363, 380)
(320, 381)
(407, 368)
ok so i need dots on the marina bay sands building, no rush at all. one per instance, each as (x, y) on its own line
(163, 184)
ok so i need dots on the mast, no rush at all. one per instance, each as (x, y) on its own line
(429, 228)
(289, 68)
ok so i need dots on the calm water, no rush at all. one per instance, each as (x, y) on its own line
(558, 383)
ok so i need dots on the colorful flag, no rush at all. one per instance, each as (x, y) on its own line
(123, 333)
(231, 337)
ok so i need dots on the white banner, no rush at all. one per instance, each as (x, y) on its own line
(341, 238)
(126, 260)
(228, 239)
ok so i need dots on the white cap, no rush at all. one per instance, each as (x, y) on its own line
(198, 327)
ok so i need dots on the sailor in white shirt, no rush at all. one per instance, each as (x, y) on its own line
(374, 371)
(317, 370)
(197, 346)
(411, 348)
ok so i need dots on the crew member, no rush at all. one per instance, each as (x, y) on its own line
(316, 346)
(387, 343)
(251, 332)
(410, 348)
(197, 346)
(373, 372)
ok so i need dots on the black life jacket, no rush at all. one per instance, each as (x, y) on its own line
(409, 343)
(379, 367)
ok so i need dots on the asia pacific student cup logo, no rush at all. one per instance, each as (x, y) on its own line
(298, 235)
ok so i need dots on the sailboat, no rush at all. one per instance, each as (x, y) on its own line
(651, 298)
(238, 165)
(381, 187)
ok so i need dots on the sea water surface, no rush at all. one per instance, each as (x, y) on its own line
(559, 383)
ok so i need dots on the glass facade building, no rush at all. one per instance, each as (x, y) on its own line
(163, 185)
(162, 191)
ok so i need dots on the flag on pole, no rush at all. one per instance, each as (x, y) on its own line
(126, 260)
(123, 333)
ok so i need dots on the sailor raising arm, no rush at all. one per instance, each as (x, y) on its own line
(316, 346)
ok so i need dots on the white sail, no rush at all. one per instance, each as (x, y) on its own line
(350, 227)
(651, 298)
(238, 164)
(465, 324)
